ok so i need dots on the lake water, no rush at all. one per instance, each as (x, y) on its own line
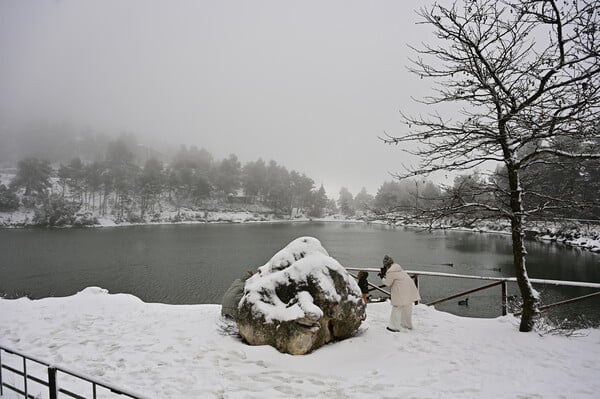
(190, 264)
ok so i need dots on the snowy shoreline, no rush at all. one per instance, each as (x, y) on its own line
(186, 351)
(587, 239)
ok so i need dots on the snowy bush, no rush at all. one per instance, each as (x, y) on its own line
(55, 211)
(8, 199)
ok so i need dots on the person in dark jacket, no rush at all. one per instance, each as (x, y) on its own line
(363, 284)
(233, 295)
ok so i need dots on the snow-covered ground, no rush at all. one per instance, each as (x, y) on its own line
(25, 217)
(20, 218)
(183, 351)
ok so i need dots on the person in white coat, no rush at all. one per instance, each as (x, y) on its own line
(403, 291)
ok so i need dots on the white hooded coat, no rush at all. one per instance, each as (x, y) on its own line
(403, 288)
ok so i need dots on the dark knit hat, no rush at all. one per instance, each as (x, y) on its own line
(387, 261)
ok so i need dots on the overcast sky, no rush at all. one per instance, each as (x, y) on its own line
(310, 84)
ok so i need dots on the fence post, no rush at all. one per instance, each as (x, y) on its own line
(1, 389)
(25, 376)
(52, 388)
(416, 278)
(504, 299)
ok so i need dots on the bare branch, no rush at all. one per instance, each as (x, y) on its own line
(527, 76)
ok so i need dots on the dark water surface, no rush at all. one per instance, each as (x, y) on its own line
(188, 264)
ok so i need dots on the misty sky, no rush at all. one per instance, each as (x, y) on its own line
(310, 84)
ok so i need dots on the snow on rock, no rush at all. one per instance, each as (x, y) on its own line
(300, 300)
(93, 291)
(181, 351)
(295, 250)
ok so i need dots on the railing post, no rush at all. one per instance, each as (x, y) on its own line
(504, 299)
(416, 278)
(1, 383)
(52, 388)
(25, 376)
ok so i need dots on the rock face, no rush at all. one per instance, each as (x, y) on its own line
(300, 300)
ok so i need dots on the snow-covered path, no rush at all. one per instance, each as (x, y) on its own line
(182, 351)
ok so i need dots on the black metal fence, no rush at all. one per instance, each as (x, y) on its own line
(17, 367)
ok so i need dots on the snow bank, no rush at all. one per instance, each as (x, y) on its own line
(182, 351)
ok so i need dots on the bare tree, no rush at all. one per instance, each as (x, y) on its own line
(526, 75)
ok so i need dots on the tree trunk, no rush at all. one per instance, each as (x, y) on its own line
(529, 295)
(143, 205)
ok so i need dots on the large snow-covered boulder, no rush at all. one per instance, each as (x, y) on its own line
(300, 300)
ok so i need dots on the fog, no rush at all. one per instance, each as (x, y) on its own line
(310, 84)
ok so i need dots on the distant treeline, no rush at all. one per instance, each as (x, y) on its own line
(133, 182)
(131, 190)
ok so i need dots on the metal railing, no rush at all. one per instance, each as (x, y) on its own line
(51, 382)
(503, 281)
